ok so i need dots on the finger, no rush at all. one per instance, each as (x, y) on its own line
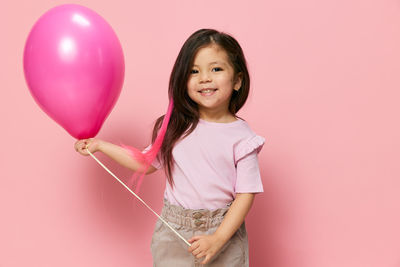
(201, 255)
(194, 238)
(77, 144)
(89, 143)
(206, 260)
(86, 144)
(197, 251)
(81, 145)
(82, 150)
(193, 247)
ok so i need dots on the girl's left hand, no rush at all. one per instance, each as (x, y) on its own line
(205, 246)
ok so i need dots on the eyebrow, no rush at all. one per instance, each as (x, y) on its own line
(212, 63)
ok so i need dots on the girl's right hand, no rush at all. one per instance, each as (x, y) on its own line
(92, 144)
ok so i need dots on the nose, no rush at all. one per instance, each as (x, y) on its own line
(205, 77)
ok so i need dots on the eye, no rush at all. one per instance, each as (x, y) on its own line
(216, 69)
(194, 71)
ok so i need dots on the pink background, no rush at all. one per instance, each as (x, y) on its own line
(325, 95)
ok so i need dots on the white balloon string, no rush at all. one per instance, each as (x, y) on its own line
(144, 203)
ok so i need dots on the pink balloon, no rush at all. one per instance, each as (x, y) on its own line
(74, 68)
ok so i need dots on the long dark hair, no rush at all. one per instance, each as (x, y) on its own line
(185, 114)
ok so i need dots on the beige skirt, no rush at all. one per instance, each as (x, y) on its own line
(168, 250)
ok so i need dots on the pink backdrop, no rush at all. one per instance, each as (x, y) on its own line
(325, 93)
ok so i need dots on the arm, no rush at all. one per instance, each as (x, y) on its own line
(208, 245)
(117, 153)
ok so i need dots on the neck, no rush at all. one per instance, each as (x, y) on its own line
(217, 117)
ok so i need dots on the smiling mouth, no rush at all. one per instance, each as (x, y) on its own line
(207, 90)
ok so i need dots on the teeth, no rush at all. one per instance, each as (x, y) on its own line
(207, 91)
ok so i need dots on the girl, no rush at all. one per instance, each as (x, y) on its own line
(209, 156)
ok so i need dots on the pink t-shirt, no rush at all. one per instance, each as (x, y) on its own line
(213, 163)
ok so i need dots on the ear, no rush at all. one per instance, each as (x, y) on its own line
(238, 81)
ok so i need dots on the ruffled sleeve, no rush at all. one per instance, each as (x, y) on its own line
(248, 177)
(247, 146)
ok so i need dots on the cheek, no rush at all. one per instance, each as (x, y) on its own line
(224, 80)
(191, 89)
(190, 85)
(226, 83)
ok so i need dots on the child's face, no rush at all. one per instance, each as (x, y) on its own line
(211, 81)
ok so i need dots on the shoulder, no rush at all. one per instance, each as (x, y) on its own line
(245, 129)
